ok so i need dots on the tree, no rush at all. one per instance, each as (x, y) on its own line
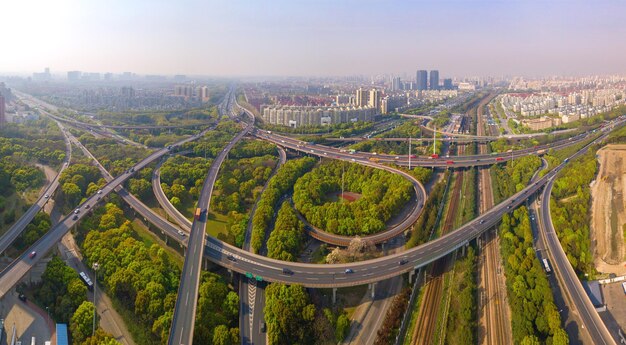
(221, 336)
(82, 322)
(72, 193)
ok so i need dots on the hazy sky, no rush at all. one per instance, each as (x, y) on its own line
(338, 37)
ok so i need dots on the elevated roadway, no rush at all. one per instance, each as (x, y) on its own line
(591, 321)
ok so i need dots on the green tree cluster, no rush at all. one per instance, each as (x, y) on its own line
(34, 230)
(114, 157)
(289, 315)
(142, 278)
(77, 182)
(421, 230)
(285, 241)
(512, 177)
(383, 195)
(533, 312)
(278, 185)
(462, 311)
(61, 290)
(570, 209)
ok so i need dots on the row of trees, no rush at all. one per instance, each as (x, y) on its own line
(144, 279)
(285, 241)
(389, 329)
(534, 316)
(421, 230)
(280, 184)
(570, 209)
(77, 182)
(462, 310)
(510, 178)
(383, 195)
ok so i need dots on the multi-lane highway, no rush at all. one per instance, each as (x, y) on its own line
(592, 323)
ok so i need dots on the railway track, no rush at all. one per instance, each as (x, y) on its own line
(426, 324)
(495, 313)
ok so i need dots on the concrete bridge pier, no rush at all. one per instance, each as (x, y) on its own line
(334, 295)
(411, 274)
(372, 287)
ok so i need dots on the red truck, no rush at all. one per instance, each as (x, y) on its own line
(449, 162)
(499, 159)
(434, 156)
(412, 156)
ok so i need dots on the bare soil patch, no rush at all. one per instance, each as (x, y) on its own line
(608, 211)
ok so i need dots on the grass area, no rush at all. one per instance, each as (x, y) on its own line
(149, 238)
(216, 224)
(14, 208)
(140, 334)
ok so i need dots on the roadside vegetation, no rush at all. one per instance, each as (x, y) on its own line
(534, 316)
(21, 147)
(77, 182)
(143, 280)
(285, 241)
(389, 329)
(513, 176)
(461, 321)
(570, 206)
(280, 184)
(427, 221)
(115, 158)
(382, 195)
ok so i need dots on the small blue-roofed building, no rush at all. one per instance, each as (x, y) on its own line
(62, 334)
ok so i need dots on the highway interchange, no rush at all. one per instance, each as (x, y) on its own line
(309, 275)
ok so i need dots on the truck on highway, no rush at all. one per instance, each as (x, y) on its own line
(540, 152)
(412, 156)
(499, 159)
(373, 159)
(546, 266)
(449, 162)
(198, 214)
(352, 151)
(434, 156)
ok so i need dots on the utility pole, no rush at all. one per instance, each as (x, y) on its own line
(410, 153)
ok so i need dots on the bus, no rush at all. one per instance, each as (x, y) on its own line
(86, 280)
(546, 266)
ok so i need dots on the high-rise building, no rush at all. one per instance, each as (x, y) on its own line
(3, 118)
(434, 79)
(421, 79)
(73, 75)
(396, 84)
(203, 93)
(362, 97)
(447, 84)
(374, 99)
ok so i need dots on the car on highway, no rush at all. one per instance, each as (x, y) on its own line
(263, 327)
(287, 271)
(353, 160)
(231, 258)
(75, 217)
(22, 297)
(32, 254)
(481, 221)
(77, 211)
(180, 232)
(100, 191)
(349, 270)
(402, 262)
(87, 206)
(46, 196)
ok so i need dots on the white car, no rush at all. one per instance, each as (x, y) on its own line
(180, 232)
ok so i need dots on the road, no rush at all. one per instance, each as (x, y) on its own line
(591, 322)
(185, 310)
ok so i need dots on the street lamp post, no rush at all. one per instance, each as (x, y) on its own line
(95, 267)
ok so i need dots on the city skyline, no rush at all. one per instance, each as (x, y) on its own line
(321, 38)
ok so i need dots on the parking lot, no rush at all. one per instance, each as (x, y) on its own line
(28, 319)
(615, 300)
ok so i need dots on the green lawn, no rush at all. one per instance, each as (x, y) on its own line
(216, 224)
(149, 238)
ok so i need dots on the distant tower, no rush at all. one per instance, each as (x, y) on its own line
(447, 84)
(396, 84)
(421, 79)
(374, 97)
(434, 79)
(362, 98)
(3, 118)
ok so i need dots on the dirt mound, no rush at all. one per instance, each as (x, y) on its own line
(608, 212)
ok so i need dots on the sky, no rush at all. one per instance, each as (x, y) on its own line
(315, 38)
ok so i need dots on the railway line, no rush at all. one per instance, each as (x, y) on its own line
(494, 314)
